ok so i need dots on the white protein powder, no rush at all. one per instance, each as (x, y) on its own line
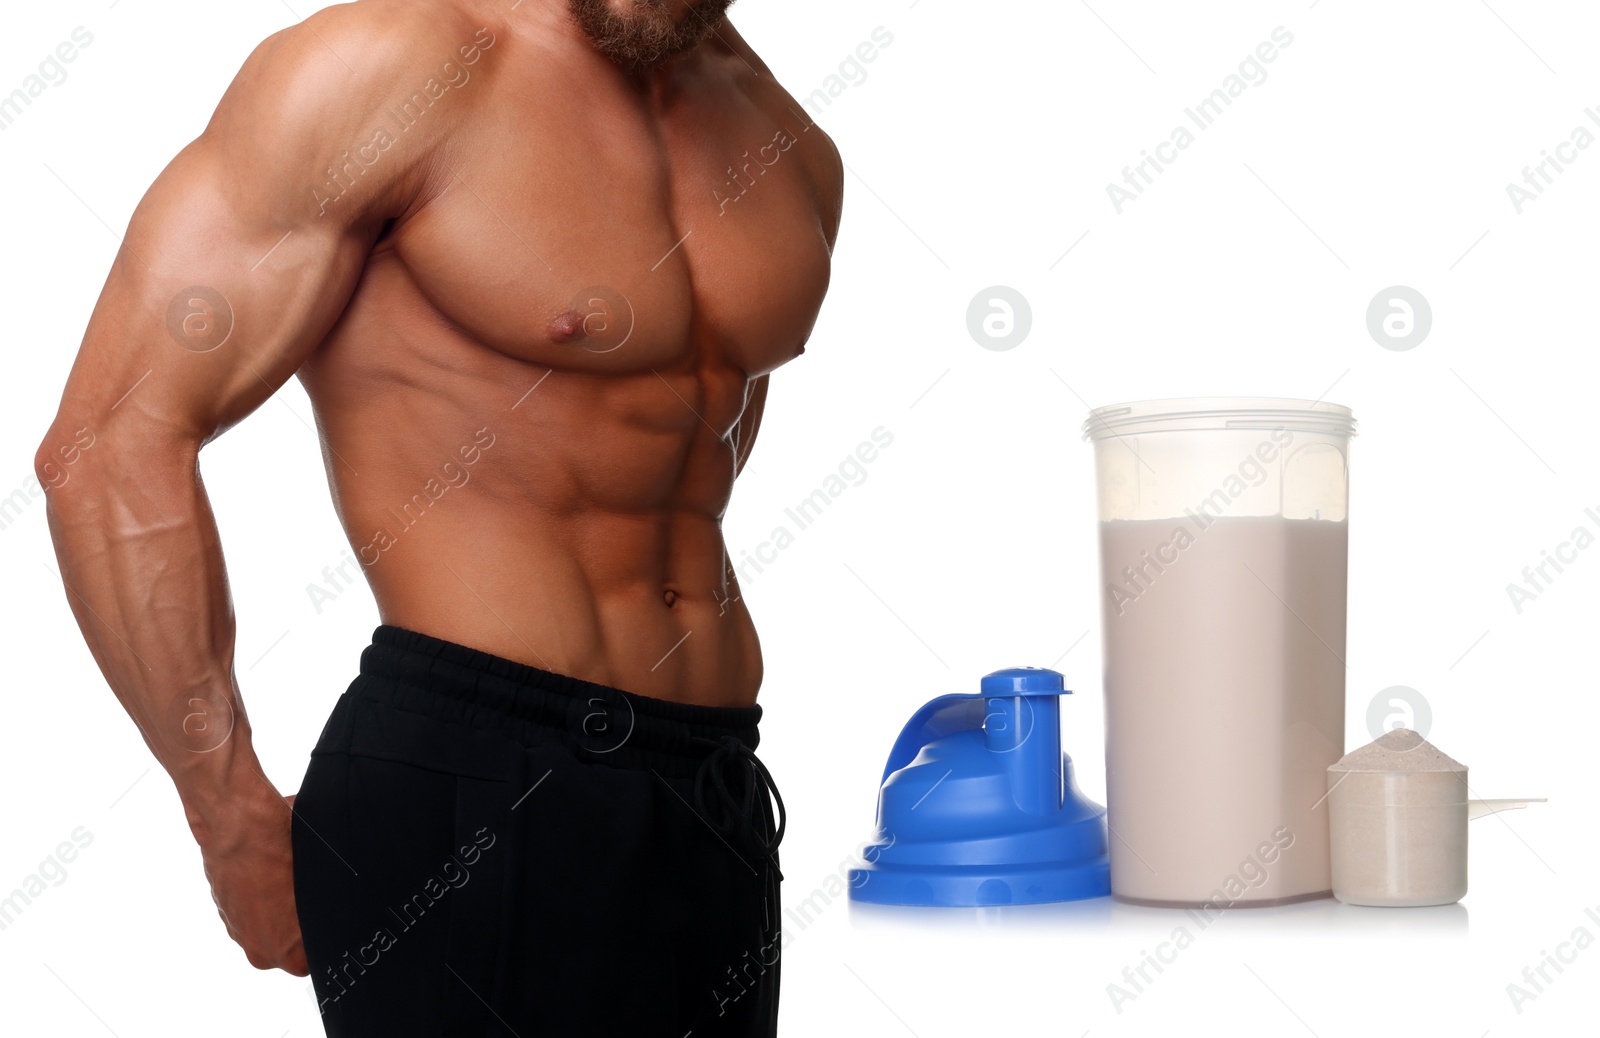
(1224, 681)
(1397, 811)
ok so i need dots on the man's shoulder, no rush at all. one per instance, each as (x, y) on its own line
(822, 154)
(765, 90)
(367, 37)
(322, 105)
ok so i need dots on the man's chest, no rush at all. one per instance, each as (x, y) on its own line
(588, 239)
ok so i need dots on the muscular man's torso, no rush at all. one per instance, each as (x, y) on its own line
(536, 402)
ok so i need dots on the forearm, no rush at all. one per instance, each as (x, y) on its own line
(142, 563)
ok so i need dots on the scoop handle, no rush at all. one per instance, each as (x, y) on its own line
(1479, 808)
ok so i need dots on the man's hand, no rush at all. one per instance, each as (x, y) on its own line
(250, 863)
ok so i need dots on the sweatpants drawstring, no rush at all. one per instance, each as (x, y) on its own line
(736, 804)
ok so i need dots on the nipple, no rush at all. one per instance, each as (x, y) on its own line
(567, 327)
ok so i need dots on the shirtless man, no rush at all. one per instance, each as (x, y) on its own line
(533, 264)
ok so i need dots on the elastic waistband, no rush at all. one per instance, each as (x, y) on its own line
(455, 682)
(416, 673)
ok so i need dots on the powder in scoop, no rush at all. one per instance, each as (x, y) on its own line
(1399, 749)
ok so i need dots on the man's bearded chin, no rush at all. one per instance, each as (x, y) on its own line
(638, 34)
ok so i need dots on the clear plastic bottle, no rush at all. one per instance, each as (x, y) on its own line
(1224, 540)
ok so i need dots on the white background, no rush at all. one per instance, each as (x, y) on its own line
(1376, 152)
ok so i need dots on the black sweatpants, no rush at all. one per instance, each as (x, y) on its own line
(485, 848)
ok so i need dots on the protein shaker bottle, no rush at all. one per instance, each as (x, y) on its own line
(1223, 550)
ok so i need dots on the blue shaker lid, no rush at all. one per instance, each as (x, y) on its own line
(1015, 680)
(978, 806)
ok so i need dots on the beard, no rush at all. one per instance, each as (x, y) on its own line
(638, 34)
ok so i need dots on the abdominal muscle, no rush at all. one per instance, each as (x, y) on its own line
(563, 519)
(635, 602)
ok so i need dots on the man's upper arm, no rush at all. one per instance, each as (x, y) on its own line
(236, 263)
